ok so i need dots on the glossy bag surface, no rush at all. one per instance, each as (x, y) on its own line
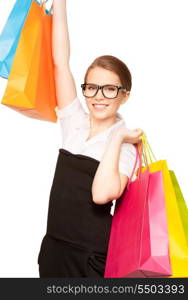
(181, 202)
(31, 86)
(177, 235)
(10, 35)
(139, 244)
(176, 216)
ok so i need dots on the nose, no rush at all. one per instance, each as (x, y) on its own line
(99, 94)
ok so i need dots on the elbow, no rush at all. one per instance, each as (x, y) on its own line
(61, 66)
(102, 199)
(99, 201)
(102, 194)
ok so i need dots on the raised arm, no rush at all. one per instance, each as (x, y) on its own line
(64, 81)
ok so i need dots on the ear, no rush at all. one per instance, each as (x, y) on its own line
(125, 97)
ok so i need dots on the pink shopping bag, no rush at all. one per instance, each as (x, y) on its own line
(139, 244)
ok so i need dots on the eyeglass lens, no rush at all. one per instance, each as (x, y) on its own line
(109, 91)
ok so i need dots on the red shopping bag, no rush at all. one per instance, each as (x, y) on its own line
(138, 244)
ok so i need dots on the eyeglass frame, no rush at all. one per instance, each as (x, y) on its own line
(101, 87)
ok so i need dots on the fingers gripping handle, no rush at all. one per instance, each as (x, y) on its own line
(141, 154)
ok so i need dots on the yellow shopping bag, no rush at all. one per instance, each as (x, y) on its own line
(31, 87)
(178, 247)
(181, 203)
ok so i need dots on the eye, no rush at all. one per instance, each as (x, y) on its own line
(91, 87)
(111, 88)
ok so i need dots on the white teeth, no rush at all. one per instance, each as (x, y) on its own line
(100, 106)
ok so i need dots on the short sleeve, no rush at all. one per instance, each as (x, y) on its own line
(127, 159)
(71, 117)
(74, 110)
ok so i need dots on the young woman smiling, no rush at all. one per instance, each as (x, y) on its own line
(93, 165)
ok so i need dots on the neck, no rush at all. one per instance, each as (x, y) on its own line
(98, 125)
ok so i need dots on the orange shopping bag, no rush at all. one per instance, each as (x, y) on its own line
(31, 87)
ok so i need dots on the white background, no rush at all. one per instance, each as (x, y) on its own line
(150, 36)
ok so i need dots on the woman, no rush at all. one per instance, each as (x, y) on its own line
(94, 163)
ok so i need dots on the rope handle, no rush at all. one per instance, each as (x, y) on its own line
(42, 3)
(144, 154)
(149, 152)
(140, 156)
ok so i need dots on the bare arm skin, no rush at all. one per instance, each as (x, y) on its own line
(109, 183)
(64, 81)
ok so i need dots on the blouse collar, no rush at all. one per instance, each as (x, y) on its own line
(104, 134)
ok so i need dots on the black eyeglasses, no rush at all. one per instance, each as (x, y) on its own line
(109, 91)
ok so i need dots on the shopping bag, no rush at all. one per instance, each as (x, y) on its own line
(10, 35)
(138, 243)
(181, 203)
(31, 87)
(177, 228)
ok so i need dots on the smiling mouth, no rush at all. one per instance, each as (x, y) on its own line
(100, 106)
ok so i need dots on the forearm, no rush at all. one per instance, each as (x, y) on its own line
(106, 184)
(60, 34)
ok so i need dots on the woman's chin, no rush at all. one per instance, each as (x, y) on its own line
(99, 115)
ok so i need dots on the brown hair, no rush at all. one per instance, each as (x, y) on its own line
(115, 65)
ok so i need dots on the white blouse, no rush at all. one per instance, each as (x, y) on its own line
(75, 129)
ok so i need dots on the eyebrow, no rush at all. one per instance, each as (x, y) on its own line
(104, 84)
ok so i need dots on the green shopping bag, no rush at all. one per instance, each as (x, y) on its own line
(181, 203)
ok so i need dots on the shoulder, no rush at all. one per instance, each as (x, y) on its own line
(73, 114)
(75, 106)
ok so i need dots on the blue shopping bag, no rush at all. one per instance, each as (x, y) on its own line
(9, 37)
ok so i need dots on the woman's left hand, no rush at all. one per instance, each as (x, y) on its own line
(132, 136)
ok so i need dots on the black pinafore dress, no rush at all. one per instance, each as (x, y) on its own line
(78, 230)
